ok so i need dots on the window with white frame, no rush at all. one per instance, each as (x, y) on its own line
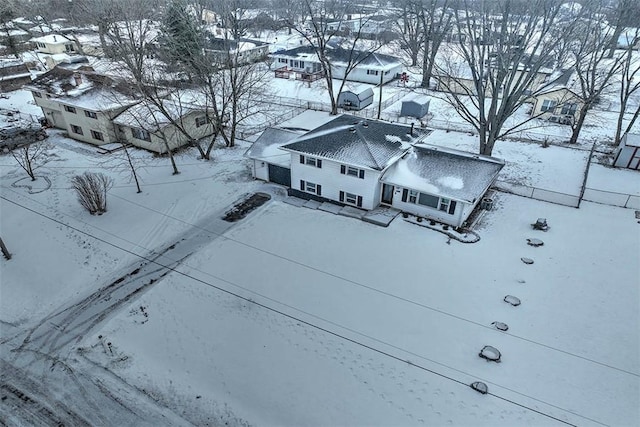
(90, 114)
(76, 129)
(37, 94)
(428, 200)
(569, 109)
(372, 72)
(141, 134)
(282, 60)
(69, 109)
(311, 161)
(444, 204)
(440, 203)
(352, 171)
(350, 199)
(311, 187)
(548, 105)
(97, 135)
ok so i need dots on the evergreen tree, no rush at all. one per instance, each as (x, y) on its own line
(182, 38)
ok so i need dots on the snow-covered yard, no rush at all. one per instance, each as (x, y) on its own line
(300, 317)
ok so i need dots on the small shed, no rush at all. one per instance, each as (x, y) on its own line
(415, 107)
(628, 152)
(355, 99)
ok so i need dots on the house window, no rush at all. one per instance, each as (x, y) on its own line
(90, 114)
(76, 129)
(413, 196)
(97, 135)
(311, 161)
(282, 60)
(444, 204)
(69, 109)
(372, 72)
(37, 94)
(569, 109)
(350, 199)
(69, 47)
(428, 200)
(352, 171)
(201, 121)
(548, 105)
(311, 187)
(141, 134)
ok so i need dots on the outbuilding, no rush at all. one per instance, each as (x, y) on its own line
(417, 107)
(628, 152)
(355, 98)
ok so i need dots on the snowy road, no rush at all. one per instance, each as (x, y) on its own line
(43, 381)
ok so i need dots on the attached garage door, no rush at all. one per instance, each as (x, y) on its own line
(280, 175)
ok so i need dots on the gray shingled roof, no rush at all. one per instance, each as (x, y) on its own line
(267, 146)
(355, 141)
(445, 172)
(341, 55)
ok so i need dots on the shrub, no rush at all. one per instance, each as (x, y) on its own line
(91, 189)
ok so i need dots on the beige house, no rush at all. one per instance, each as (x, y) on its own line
(153, 128)
(556, 101)
(82, 102)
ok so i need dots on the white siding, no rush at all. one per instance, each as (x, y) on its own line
(456, 219)
(260, 170)
(332, 181)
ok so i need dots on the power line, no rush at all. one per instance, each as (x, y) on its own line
(406, 300)
(312, 325)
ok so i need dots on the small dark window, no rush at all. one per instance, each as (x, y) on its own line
(76, 129)
(37, 94)
(69, 109)
(90, 114)
(97, 135)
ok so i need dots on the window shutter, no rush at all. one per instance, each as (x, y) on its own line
(302, 185)
(319, 163)
(405, 192)
(301, 159)
(361, 174)
(452, 207)
(342, 196)
(343, 169)
(359, 203)
(319, 189)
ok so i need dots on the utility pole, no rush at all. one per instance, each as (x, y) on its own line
(4, 249)
(380, 99)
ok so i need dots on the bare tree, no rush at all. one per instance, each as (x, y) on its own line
(326, 34)
(594, 71)
(408, 24)
(495, 61)
(623, 13)
(30, 157)
(436, 23)
(91, 189)
(629, 87)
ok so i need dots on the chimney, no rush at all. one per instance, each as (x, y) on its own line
(77, 78)
(54, 39)
(412, 124)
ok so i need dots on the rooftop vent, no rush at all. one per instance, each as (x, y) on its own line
(352, 129)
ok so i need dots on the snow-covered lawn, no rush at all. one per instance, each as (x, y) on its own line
(300, 317)
(388, 296)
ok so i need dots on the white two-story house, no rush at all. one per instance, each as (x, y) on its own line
(364, 164)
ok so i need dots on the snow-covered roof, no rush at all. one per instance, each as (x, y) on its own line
(151, 117)
(52, 39)
(352, 140)
(340, 56)
(267, 146)
(84, 88)
(445, 172)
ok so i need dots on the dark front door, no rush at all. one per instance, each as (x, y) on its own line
(387, 194)
(280, 175)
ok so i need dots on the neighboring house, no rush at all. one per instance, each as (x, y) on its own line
(364, 24)
(350, 161)
(415, 106)
(146, 126)
(13, 74)
(82, 102)
(355, 98)
(628, 152)
(371, 68)
(556, 101)
(242, 51)
(54, 44)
